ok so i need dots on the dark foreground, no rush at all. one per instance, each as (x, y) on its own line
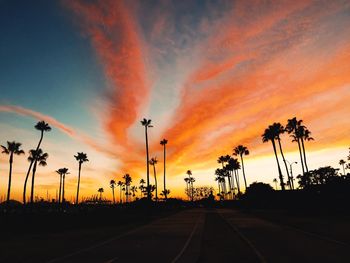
(193, 235)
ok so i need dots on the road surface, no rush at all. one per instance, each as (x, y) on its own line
(210, 235)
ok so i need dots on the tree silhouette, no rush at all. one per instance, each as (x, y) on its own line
(153, 162)
(305, 135)
(41, 126)
(147, 124)
(120, 184)
(342, 163)
(165, 191)
(81, 158)
(270, 135)
(62, 172)
(39, 158)
(13, 148)
(100, 190)
(142, 187)
(112, 185)
(191, 180)
(241, 150)
(133, 189)
(127, 181)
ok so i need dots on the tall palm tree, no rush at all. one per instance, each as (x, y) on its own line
(62, 172)
(278, 130)
(112, 184)
(153, 162)
(191, 180)
(127, 181)
(100, 190)
(120, 184)
(186, 179)
(293, 128)
(236, 166)
(39, 158)
(41, 126)
(13, 148)
(147, 124)
(222, 160)
(81, 158)
(241, 150)
(342, 163)
(305, 135)
(164, 143)
(270, 135)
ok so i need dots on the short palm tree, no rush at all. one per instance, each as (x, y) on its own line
(153, 162)
(62, 172)
(164, 143)
(147, 124)
(342, 163)
(191, 180)
(100, 190)
(120, 184)
(39, 158)
(41, 126)
(241, 150)
(186, 179)
(270, 135)
(13, 148)
(293, 128)
(127, 181)
(133, 189)
(112, 184)
(81, 158)
(142, 187)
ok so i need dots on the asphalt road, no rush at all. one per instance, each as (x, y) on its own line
(203, 235)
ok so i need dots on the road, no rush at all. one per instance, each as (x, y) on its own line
(210, 235)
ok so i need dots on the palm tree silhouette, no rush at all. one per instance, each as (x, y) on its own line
(191, 180)
(342, 163)
(41, 126)
(112, 185)
(222, 160)
(147, 124)
(39, 158)
(186, 179)
(293, 128)
(241, 150)
(153, 162)
(100, 190)
(133, 189)
(270, 135)
(127, 181)
(120, 184)
(236, 166)
(81, 158)
(142, 187)
(62, 172)
(278, 130)
(164, 143)
(13, 148)
(305, 135)
(275, 181)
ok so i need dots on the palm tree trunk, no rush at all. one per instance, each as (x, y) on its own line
(113, 195)
(343, 169)
(64, 177)
(233, 184)
(165, 192)
(77, 198)
(237, 181)
(219, 188)
(301, 157)
(147, 160)
(32, 187)
(30, 168)
(278, 165)
(155, 181)
(245, 180)
(120, 194)
(10, 178)
(284, 161)
(304, 154)
(60, 191)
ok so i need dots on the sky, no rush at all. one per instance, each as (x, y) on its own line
(210, 74)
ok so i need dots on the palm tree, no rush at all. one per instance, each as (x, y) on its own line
(100, 190)
(41, 126)
(236, 166)
(112, 185)
(81, 158)
(164, 143)
(305, 135)
(293, 128)
(11, 149)
(186, 179)
(127, 181)
(153, 162)
(270, 135)
(147, 124)
(120, 184)
(222, 160)
(342, 163)
(62, 172)
(241, 150)
(191, 180)
(275, 181)
(142, 187)
(278, 130)
(39, 158)
(133, 189)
